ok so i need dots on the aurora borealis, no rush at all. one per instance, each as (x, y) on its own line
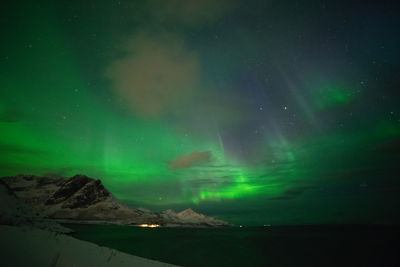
(257, 112)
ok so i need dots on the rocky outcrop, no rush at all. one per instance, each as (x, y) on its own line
(84, 199)
(79, 192)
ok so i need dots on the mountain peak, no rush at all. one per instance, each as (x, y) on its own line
(189, 214)
(79, 191)
(188, 211)
(80, 176)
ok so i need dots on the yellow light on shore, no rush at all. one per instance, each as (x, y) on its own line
(149, 225)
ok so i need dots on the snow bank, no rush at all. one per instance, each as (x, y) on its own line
(23, 246)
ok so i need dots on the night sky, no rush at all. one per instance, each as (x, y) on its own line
(257, 112)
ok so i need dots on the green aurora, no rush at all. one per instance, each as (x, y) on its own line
(306, 144)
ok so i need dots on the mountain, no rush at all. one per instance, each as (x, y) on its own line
(190, 217)
(28, 237)
(15, 213)
(84, 199)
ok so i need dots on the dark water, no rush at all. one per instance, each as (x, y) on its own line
(343, 245)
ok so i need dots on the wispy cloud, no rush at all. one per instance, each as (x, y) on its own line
(190, 160)
(157, 74)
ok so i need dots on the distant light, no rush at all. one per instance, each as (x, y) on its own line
(149, 225)
(267, 225)
(240, 225)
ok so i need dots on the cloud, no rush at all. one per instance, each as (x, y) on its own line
(292, 193)
(190, 160)
(388, 146)
(156, 76)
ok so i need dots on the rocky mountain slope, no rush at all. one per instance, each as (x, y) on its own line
(29, 238)
(84, 199)
(15, 213)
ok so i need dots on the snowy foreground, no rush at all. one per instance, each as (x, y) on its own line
(27, 246)
(27, 238)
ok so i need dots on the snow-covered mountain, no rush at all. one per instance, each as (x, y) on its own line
(15, 213)
(190, 217)
(27, 236)
(84, 199)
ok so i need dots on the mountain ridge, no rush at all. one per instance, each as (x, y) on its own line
(81, 199)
